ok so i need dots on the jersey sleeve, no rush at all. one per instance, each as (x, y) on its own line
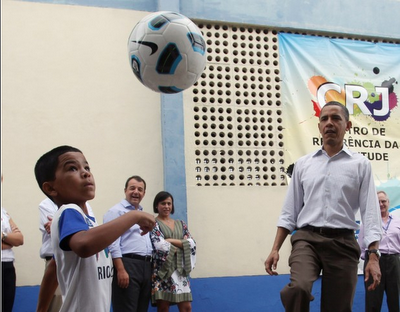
(70, 222)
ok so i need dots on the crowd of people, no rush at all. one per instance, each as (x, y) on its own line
(113, 263)
(90, 266)
(134, 259)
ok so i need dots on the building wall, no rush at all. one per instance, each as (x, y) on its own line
(366, 18)
(66, 80)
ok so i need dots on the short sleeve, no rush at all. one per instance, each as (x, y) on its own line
(70, 222)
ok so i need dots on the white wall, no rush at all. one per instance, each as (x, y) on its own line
(66, 80)
(234, 228)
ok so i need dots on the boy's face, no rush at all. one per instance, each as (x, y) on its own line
(74, 182)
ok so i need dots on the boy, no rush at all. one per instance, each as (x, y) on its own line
(84, 266)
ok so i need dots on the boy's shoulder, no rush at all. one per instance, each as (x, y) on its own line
(72, 210)
(69, 206)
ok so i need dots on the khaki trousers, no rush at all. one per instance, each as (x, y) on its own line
(336, 256)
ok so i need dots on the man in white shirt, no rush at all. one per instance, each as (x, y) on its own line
(131, 254)
(47, 209)
(327, 189)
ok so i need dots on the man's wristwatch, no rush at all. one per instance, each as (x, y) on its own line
(375, 251)
(4, 236)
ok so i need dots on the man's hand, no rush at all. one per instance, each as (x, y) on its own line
(372, 270)
(123, 278)
(272, 262)
(122, 275)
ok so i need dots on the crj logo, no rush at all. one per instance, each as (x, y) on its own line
(359, 98)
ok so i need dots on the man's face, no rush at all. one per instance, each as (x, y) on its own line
(134, 192)
(333, 125)
(383, 202)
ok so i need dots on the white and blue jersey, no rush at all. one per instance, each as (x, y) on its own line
(85, 283)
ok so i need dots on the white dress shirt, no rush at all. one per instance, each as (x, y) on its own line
(328, 191)
(131, 241)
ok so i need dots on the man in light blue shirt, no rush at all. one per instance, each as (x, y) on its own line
(327, 189)
(131, 254)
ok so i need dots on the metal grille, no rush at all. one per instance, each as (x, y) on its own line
(237, 111)
(237, 116)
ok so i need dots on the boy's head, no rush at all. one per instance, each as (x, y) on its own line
(63, 174)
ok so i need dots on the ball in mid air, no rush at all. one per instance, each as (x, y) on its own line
(167, 52)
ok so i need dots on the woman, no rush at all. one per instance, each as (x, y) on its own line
(11, 237)
(174, 258)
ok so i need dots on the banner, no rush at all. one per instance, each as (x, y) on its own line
(363, 76)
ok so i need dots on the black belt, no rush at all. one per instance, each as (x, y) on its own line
(48, 258)
(390, 255)
(327, 231)
(137, 257)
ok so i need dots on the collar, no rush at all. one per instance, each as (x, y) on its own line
(127, 205)
(344, 149)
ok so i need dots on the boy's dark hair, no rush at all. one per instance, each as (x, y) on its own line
(46, 166)
(137, 178)
(159, 198)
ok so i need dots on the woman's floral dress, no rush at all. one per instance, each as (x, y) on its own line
(172, 265)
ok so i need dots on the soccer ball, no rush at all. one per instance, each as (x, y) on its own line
(167, 52)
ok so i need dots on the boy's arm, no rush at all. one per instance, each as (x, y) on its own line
(88, 243)
(47, 287)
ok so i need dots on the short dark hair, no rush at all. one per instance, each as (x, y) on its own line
(343, 107)
(137, 178)
(159, 198)
(46, 166)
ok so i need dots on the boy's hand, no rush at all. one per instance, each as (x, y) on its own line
(147, 222)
